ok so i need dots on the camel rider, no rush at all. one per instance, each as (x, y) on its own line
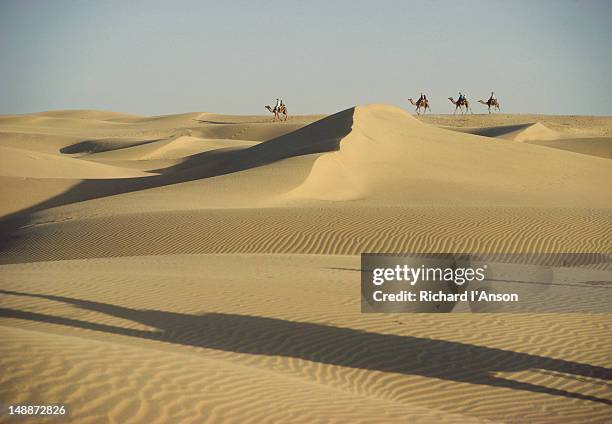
(422, 100)
(492, 98)
(460, 99)
(277, 106)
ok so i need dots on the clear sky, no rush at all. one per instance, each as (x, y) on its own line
(160, 57)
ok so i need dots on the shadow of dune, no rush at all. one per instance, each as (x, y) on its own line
(102, 145)
(205, 121)
(492, 132)
(500, 130)
(346, 347)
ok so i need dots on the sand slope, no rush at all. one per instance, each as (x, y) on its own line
(23, 163)
(204, 268)
(595, 146)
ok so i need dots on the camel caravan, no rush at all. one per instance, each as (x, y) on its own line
(462, 103)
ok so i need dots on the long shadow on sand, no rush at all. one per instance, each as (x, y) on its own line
(345, 347)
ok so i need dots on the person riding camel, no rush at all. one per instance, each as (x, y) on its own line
(278, 105)
(492, 98)
(422, 99)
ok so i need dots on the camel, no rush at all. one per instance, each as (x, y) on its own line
(281, 110)
(490, 103)
(420, 104)
(461, 105)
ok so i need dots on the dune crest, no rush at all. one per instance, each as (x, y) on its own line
(376, 133)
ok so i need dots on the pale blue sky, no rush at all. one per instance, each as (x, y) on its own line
(159, 57)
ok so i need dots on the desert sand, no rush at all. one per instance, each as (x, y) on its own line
(205, 268)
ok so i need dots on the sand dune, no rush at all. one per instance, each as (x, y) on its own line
(570, 126)
(204, 268)
(520, 132)
(23, 163)
(586, 134)
(36, 142)
(174, 148)
(388, 152)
